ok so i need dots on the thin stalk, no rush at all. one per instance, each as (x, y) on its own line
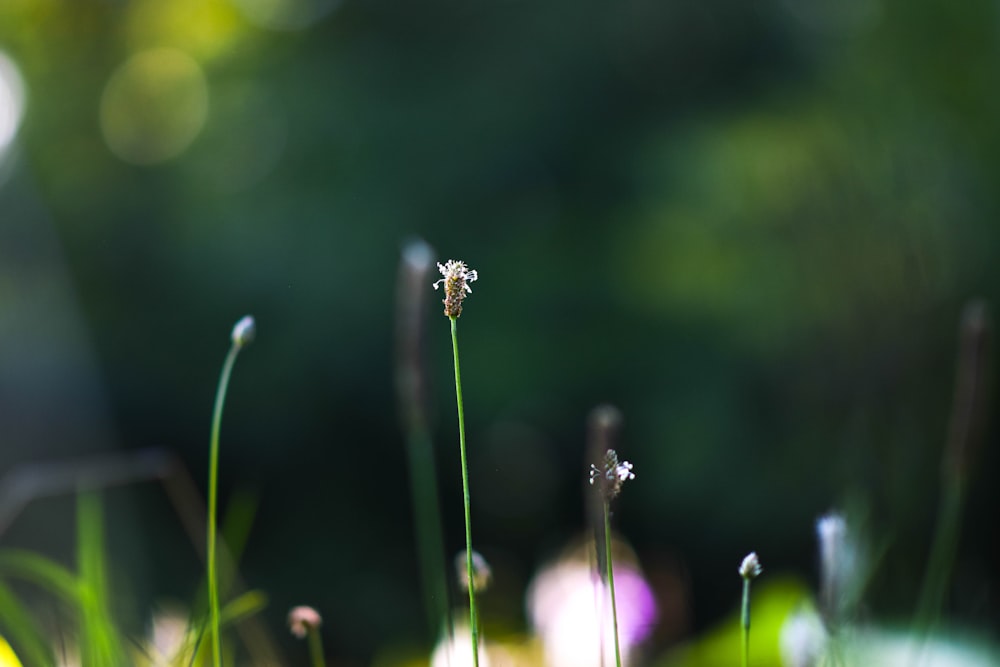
(745, 622)
(942, 557)
(473, 620)
(213, 493)
(427, 516)
(969, 411)
(411, 390)
(316, 648)
(611, 579)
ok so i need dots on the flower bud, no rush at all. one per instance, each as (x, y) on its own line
(482, 574)
(244, 331)
(302, 620)
(750, 568)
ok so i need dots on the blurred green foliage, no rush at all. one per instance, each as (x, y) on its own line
(751, 226)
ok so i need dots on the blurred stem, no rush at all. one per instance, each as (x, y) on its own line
(213, 493)
(100, 645)
(473, 620)
(745, 622)
(411, 388)
(427, 515)
(835, 652)
(968, 421)
(942, 557)
(316, 648)
(611, 579)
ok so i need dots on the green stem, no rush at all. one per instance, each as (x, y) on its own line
(427, 518)
(745, 622)
(473, 620)
(213, 493)
(316, 648)
(942, 556)
(611, 579)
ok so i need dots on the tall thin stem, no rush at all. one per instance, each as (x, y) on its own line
(213, 493)
(316, 648)
(745, 622)
(611, 579)
(968, 423)
(942, 558)
(473, 620)
(427, 519)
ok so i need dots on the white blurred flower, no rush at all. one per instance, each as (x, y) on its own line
(457, 652)
(482, 573)
(802, 639)
(570, 610)
(840, 565)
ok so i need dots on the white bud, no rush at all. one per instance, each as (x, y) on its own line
(750, 567)
(244, 331)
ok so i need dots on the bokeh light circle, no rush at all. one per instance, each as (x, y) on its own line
(154, 106)
(244, 138)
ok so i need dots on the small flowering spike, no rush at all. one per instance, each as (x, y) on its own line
(244, 331)
(457, 277)
(303, 619)
(750, 568)
(614, 473)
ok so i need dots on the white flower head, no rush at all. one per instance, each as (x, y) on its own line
(612, 476)
(457, 276)
(751, 568)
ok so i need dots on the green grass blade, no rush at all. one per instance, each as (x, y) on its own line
(100, 644)
(236, 610)
(237, 522)
(22, 631)
(242, 607)
(41, 571)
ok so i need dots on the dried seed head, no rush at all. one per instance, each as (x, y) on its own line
(244, 331)
(482, 574)
(302, 620)
(457, 277)
(750, 568)
(610, 478)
